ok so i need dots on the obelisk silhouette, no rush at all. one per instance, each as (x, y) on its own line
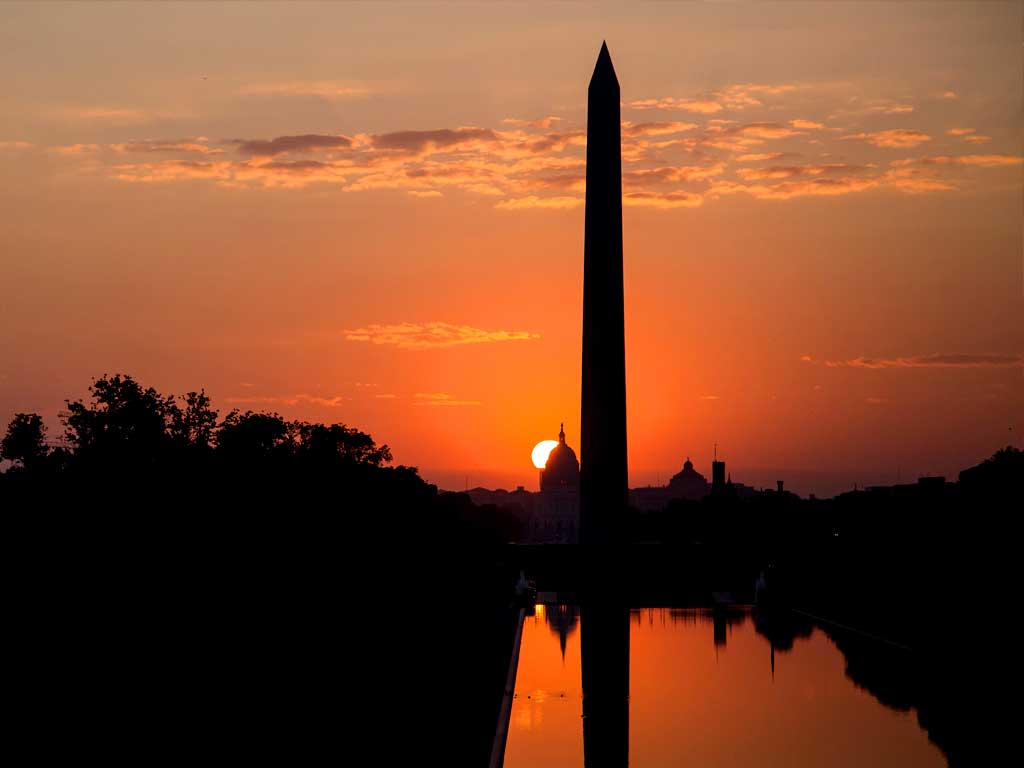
(603, 478)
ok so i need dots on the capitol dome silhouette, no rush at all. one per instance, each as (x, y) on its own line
(562, 469)
(688, 483)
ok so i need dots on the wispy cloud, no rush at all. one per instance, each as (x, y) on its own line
(291, 400)
(737, 96)
(990, 161)
(435, 335)
(432, 141)
(297, 144)
(757, 157)
(532, 201)
(983, 161)
(908, 181)
(106, 114)
(970, 135)
(801, 171)
(441, 399)
(198, 145)
(896, 138)
(15, 144)
(543, 123)
(932, 361)
(668, 174)
(663, 200)
(324, 89)
(892, 109)
(539, 164)
(700, 106)
(77, 149)
(788, 190)
(633, 130)
(764, 130)
(856, 107)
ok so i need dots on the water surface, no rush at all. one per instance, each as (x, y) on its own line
(707, 689)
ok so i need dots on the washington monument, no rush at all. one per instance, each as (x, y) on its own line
(603, 477)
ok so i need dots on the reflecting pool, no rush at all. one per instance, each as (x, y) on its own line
(708, 688)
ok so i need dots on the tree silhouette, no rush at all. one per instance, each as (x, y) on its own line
(324, 443)
(255, 437)
(194, 426)
(124, 424)
(25, 441)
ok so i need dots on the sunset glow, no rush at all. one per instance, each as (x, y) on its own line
(346, 215)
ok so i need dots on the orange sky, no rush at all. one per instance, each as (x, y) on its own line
(373, 214)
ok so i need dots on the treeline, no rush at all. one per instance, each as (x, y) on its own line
(130, 448)
(222, 583)
(124, 427)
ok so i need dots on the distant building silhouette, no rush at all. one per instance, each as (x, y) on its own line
(556, 515)
(562, 469)
(688, 483)
(717, 476)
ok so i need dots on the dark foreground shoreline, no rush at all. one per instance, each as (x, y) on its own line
(292, 641)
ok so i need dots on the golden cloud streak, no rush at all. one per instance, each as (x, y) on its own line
(434, 335)
(441, 399)
(932, 361)
(897, 138)
(532, 164)
(325, 89)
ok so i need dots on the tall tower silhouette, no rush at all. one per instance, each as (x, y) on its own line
(603, 476)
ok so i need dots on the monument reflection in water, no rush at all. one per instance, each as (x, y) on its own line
(605, 675)
(700, 689)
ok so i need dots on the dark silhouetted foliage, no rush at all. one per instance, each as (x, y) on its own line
(194, 426)
(189, 580)
(133, 449)
(124, 426)
(25, 441)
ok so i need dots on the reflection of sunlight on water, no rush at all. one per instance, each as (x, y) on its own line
(708, 685)
(528, 711)
(545, 726)
(527, 716)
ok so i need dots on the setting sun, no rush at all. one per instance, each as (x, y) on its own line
(541, 451)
